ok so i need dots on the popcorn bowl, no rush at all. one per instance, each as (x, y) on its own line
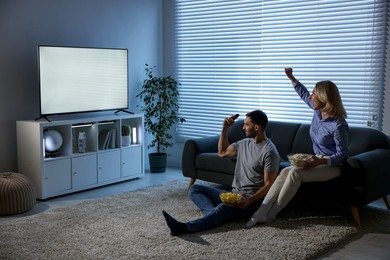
(230, 198)
(298, 159)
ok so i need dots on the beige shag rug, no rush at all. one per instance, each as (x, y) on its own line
(131, 226)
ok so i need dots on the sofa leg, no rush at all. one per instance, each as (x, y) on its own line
(192, 181)
(387, 202)
(355, 215)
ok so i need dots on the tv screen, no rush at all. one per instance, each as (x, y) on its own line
(79, 79)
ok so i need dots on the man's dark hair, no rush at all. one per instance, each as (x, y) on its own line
(258, 117)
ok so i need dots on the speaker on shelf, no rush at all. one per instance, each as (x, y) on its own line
(53, 142)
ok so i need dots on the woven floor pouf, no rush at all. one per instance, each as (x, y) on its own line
(17, 193)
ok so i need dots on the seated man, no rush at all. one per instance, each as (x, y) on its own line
(256, 169)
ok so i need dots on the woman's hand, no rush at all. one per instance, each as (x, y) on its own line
(289, 74)
(314, 161)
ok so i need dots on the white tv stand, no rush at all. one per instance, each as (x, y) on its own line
(70, 171)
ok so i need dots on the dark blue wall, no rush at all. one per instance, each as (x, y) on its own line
(24, 24)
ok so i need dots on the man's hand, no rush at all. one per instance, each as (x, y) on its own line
(243, 203)
(228, 121)
(224, 148)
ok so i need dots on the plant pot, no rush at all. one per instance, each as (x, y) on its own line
(158, 162)
(126, 140)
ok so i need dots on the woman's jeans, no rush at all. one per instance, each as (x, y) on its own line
(290, 178)
(215, 211)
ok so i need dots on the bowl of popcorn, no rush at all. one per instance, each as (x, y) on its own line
(230, 198)
(298, 159)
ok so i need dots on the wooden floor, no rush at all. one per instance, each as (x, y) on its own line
(374, 244)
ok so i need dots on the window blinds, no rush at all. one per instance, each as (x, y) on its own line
(231, 57)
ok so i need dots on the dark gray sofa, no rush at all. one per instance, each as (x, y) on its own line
(365, 175)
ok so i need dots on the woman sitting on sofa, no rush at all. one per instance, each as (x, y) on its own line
(329, 134)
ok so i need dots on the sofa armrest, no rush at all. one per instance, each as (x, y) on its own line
(369, 174)
(192, 148)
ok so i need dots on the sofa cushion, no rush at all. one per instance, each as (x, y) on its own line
(212, 162)
(302, 142)
(366, 139)
(282, 135)
(360, 139)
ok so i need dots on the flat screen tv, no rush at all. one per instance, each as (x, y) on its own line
(80, 79)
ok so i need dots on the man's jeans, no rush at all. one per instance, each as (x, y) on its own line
(215, 211)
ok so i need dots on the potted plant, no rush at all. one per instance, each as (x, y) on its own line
(126, 135)
(159, 96)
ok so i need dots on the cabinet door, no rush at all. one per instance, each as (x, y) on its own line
(84, 170)
(131, 161)
(57, 176)
(109, 166)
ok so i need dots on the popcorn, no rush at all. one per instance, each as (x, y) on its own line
(230, 197)
(298, 159)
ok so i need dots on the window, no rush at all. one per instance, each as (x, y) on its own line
(231, 57)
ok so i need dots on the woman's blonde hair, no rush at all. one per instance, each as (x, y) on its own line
(328, 93)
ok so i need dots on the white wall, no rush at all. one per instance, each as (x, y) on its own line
(24, 24)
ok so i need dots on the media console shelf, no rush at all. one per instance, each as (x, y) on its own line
(103, 160)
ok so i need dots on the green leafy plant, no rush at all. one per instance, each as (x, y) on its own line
(159, 96)
(126, 130)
